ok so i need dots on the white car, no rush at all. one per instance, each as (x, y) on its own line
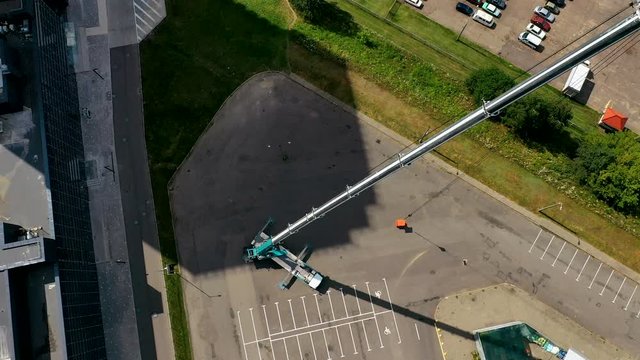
(536, 31)
(545, 13)
(416, 3)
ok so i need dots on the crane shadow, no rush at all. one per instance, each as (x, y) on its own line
(330, 284)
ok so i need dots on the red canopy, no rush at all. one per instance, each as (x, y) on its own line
(613, 119)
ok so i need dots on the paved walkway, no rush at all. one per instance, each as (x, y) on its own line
(501, 304)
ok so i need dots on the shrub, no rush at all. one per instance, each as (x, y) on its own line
(310, 10)
(535, 118)
(488, 83)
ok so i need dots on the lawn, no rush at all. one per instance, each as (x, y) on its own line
(408, 81)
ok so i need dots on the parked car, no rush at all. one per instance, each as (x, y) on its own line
(464, 8)
(535, 30)
(552, 7)
(545, 13)
(530, 40)
(540, 22)
(491, 9)
(500, 4)
(415, 3)
(475, 2)
(484, 19)
(560, 3)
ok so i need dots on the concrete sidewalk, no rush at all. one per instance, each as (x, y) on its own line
(504, 303)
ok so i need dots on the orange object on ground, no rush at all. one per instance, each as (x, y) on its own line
(401, 223)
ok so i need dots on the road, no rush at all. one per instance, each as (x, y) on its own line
(277, 148)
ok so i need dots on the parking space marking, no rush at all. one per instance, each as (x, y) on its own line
(583, 266)
(326, 344)
(607, 283)
(596, 275)
(331, 304)
(534, 241)
(570, 262)
(290, 338)
(346, 312)
(318, 306)
(631, 297)
(392, 312)
(638, 314)
(313, 346)
(293, 318)
(242, 336)
(620, 288)
(353, 341)
(374, 317)
(355, 292)
(547, 248)
(417, 333)
(304, 307)
(255, 333)
(279, 318)
(559, 252)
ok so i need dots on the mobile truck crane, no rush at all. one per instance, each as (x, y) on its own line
(265, 246)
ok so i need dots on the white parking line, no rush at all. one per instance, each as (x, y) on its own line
(374, 315)
(631, 297)
(638, 314)
(326, 344)
(279, 318)
(353, 341)
(417, 333)
(331, 304)
(547, 248)
(313, 346)
(266, 320)
(304, 307)
(286, 351)
(559, 252)
(366, 338)
(620, 288)
(292, 317)
(594, 276)
(583, 266)
(568, 266)
(299, 348)
(255, 333)
(355, 292)
(242, 335)
(346, 312)
(534, 241)
(607, 283)
(318, 306)
(393, 312)
(339, 342)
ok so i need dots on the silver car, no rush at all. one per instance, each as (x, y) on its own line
(545, 13)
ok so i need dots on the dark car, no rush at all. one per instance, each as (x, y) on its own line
(476, 2)
(464, 8)
(540, 22)
(560, 3)
(500, 4)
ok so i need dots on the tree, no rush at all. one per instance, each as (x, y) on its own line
(488, 83)
(310, 10)
(538, 119)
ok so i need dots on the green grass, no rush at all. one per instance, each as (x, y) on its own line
(201, 52)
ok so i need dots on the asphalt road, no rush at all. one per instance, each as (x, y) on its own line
(384, 283)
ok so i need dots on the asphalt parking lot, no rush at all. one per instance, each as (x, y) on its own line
(610, 74)
(275, 149)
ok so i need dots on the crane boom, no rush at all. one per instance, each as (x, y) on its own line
(261, 246)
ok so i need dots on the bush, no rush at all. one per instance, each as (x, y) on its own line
(488, 83)
(609, 164)
(310, 10)
(538, 119)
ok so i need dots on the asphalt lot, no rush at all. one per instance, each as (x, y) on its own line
(384, 283)
(610, 74)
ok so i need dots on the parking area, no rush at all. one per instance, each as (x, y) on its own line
(565, 259)
(609, 69)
